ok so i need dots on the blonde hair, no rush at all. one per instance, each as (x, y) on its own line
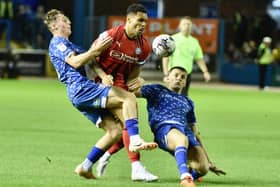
(51, 17)
(186, 17)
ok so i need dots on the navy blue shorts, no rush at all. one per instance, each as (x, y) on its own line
(161, 133)
(94, 107)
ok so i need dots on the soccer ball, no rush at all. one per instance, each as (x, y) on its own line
(163, 45)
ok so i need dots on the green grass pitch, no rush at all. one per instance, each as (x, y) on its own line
(43, 138)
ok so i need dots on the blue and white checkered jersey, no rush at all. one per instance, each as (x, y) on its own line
(75, 79)
(165, 106)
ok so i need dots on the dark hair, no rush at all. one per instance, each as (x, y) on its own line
(178, 67)
(134, 8)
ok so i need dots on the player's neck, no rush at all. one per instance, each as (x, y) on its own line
(58, 34)
(177, 90)
(186, 34)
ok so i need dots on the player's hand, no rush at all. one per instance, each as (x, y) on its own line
(216, 170)
(165, 79)
(135, 84)
(100, 45)
(207, 76)
(108, 80)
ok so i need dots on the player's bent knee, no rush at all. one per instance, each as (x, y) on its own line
(202, 169)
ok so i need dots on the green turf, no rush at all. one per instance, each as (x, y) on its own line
(42, 139)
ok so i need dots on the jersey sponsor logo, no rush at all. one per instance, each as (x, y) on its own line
(61, 47)
(123, 57)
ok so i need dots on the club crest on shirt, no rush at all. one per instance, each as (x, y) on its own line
(138, 51)
(61, 47)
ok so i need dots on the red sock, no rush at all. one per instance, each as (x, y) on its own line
(132, 156)
(116, 147)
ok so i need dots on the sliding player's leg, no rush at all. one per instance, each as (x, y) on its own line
(171, 138)
(198, 162)
(128, 115)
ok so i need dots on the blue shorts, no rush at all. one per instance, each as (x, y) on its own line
(93, 106)
(162, 131)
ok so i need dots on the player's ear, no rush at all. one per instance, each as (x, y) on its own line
(167, 79)
(184, 83)
(127, 19)
(53, 27)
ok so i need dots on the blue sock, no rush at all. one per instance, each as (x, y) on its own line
(132, 126)
(181, 159)
(194, 174)
(95, 154)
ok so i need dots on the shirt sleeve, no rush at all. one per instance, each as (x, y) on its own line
(191, 114)
(62, 49)
(148, 91)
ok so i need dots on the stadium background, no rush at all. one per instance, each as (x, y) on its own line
(42, 137)
(90, 17)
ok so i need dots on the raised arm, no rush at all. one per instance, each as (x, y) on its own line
(81, 59)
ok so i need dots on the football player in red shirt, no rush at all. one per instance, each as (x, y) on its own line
(120, 66)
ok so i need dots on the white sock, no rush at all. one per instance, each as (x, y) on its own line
(134, 138)
(185, 175)
(136, 165)
(87, 164)
(106, 156)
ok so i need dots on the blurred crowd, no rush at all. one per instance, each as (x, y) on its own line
(246, 34)
(21, 24)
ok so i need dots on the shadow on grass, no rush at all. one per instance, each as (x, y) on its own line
(237, 183)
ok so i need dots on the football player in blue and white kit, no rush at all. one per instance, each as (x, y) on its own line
(172, 121)
(93, 100)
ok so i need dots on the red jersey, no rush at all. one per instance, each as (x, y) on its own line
(123, 55)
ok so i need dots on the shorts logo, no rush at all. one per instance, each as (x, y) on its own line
(96, 103)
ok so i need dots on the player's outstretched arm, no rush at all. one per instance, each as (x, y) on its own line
(134, 81)
(212, 166)
(136, 87)
(135, 84)
(107, 80)
(216, 170)
(78, 60)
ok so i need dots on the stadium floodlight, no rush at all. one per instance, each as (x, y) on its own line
(275, 3)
